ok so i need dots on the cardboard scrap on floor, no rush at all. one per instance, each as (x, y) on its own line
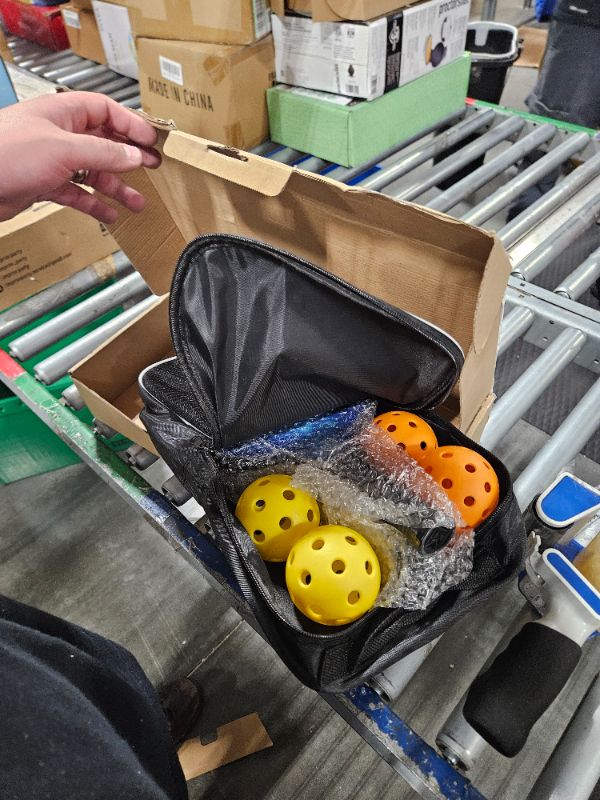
(234, 741)
(534, 47)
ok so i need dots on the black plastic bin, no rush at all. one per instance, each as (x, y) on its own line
(494, 48)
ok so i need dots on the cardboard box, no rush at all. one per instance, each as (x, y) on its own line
(82, 5)
(45, 244)
(447, 272)
(114, 26)
(83, 33)
(339, 10)
(367, 59)
(216, 91)
(5, 52)
(351, 132)
(217, 21)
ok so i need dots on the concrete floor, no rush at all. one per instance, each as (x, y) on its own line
(73, 548)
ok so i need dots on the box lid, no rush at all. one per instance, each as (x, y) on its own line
(449, 273)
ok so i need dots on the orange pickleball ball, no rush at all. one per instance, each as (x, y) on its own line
(409, 431)
(467, 478)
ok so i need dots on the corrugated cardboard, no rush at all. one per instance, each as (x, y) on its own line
(5, 52)
(338, 10)
(367, 59)
(85, 5)
(230, 22)
(350, 132)
(215, 91)
(83, 33)
(449, 273)
(45, 244)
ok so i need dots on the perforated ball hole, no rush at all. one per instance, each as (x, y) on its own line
(469, 501)
(292, 557)
(486, 513)
(338, 566)
(285, 523)
(351, 540)
(288, 494)
(447, 455)
(423, 445)
(368, 568)
(429, 470)
(259, 505)
(353, 598)
(258, 536)
(470, 467)
(316, 612)
(264, 483)
(412, 424)
(305, 578)
(487, 466)
(318, 544)
(310, 515)
(391, 428)
(487, 487)
(447, 483)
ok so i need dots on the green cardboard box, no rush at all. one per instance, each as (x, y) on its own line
(349, 132)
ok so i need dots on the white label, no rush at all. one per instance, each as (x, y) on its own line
(262, 18)
(171, 70)
(71, 18)
(117, 38)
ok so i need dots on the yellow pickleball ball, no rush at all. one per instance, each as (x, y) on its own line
(333, 575)
(276, 514)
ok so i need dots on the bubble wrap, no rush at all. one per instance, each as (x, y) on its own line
(410, 580)
(365, 481)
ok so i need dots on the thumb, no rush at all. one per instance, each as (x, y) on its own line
(94, 153)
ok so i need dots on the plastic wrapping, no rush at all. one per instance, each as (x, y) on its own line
(363, 480)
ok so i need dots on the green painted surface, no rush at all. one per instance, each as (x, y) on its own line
(27, 446)
(351, 135)
(69, 428)
(565, 126)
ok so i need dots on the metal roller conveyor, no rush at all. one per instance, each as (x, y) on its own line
(58, 365)
(549, 202)
(126, 93)
(455, 162)
(66, 69)
(426, 152)
(73, 80)
(583, 214)
(73, 399)
(133, 102)
(30, 344)
(63, 59)
(97, 81)
(63, 292)
(492, 168)
(509, 192)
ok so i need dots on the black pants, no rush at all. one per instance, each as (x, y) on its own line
(78, 717)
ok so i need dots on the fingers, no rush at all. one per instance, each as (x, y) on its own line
(113, 187)
(104, 155)
(90, 110)
(76, 197)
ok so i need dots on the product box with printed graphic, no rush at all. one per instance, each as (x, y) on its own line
(218, 21)
(114, 26)
(217, 91)
(339, 10)
(83, 33)
(367, 59)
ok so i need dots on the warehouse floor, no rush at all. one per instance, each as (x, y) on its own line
(72, 547)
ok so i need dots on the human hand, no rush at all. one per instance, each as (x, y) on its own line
(45, 141)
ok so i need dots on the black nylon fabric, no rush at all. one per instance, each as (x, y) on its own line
(266, 340)
(339, 658)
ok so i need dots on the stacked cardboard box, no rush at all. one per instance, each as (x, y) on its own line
(332, 55)
(205, 65)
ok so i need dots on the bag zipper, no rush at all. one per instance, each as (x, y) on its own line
(450, 346)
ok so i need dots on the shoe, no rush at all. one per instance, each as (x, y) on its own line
(181, 702)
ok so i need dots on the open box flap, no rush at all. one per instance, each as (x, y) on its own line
(419, 260)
